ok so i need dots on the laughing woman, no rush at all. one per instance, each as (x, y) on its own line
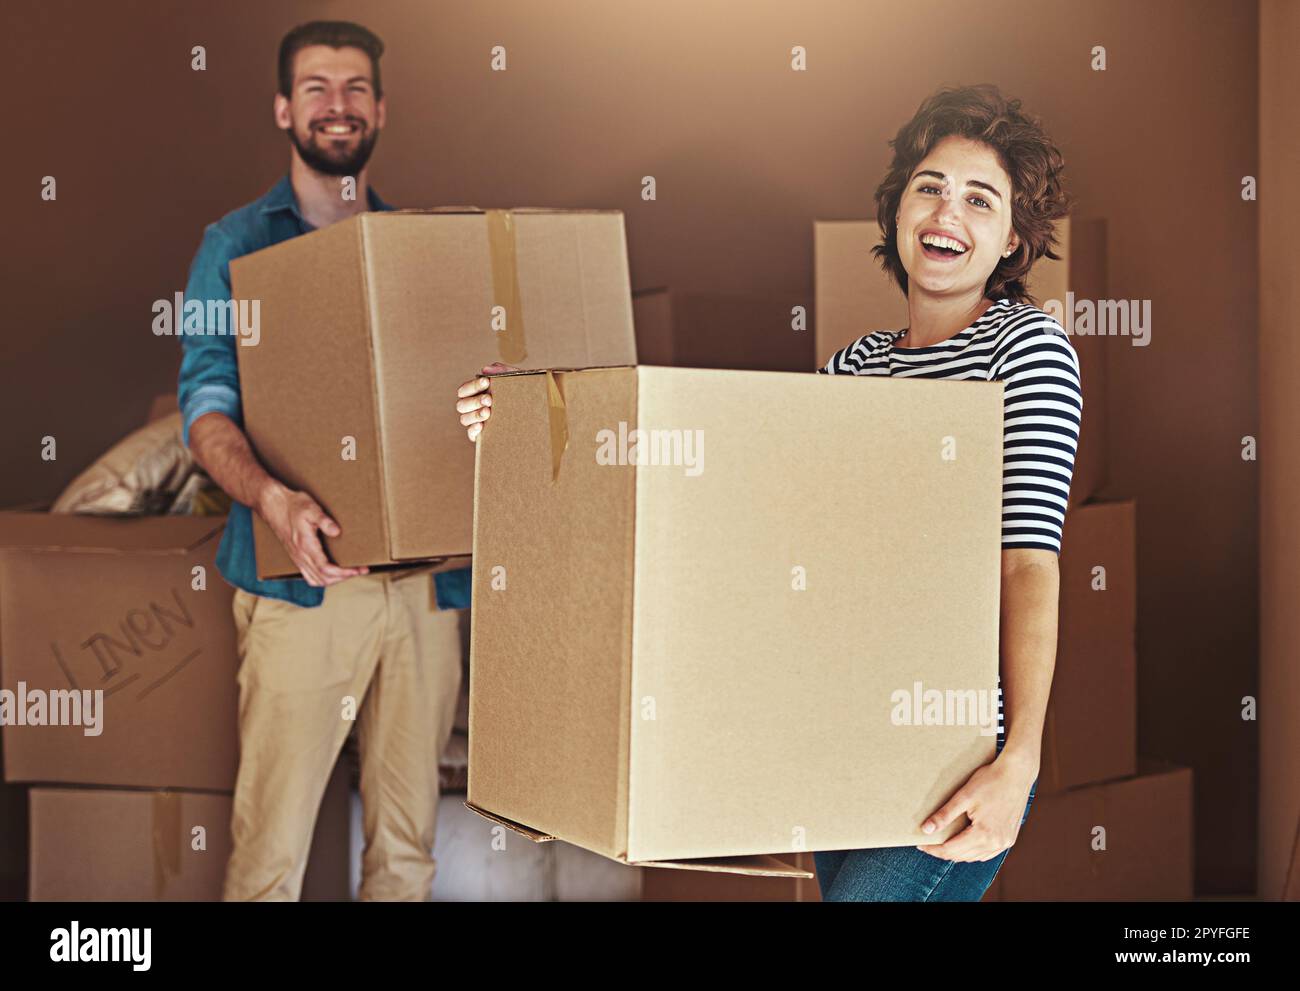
(965, 210)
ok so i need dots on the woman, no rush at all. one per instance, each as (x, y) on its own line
(965, 210)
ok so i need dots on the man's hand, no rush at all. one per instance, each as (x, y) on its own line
(295, 517)
(474, 399)
(994, 800)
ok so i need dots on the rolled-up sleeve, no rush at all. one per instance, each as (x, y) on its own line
(209, 376)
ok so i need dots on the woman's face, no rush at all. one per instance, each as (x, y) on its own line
(958, 193)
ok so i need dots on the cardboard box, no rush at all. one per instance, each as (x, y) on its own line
(1090, 733)
(89, 604)
(854, 297)
(671, 664)
(1081, 275)
(713, 886)
(96, 844)
(852, 294)
(1147, 855)
(711, 330)
(366, 329)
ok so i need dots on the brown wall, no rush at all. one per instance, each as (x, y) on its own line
(1279, 411)
(746, 154)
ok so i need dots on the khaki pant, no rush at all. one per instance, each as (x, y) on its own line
(377, 651)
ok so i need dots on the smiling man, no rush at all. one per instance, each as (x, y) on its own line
(314, 649)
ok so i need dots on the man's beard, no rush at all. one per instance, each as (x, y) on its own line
(332, 163)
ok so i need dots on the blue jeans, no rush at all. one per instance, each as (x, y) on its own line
(906, 874)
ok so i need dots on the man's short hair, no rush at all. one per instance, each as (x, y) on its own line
(335, 34)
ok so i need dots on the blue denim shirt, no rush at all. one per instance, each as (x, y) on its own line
(209, 380)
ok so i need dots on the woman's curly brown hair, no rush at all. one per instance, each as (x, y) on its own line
(1034, 164)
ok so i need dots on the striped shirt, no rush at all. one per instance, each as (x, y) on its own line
(1029, 352)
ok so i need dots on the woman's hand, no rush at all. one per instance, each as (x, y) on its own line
(994, 800)
(474, 399)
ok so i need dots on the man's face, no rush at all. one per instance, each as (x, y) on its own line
(332, 116)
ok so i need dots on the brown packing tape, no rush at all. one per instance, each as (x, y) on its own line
(166, 823)
(559, 423)
(505, 285)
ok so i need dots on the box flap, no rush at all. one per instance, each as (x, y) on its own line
(512, 209)
(543, 371)
(522, 830)
(107, 534)
(759, 866)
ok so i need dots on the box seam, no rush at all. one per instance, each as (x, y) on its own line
(625, 802)
(363, 246)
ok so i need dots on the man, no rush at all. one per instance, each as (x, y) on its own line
(338, 643)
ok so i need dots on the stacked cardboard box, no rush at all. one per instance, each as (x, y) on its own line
(1124, 840)
(135, 609)
(1091, 777)
(853, 297)
(661, 668)
(1090, 733)
(107, 844)
(411, 304)
(1092, 783)
(114, 785)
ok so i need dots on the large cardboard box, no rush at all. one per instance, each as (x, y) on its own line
(366, 329)
(99, 844)
(854, 297)
(133, 608)
(1090, 733)
(1126, 840)
(768, 332)
(719, 653)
